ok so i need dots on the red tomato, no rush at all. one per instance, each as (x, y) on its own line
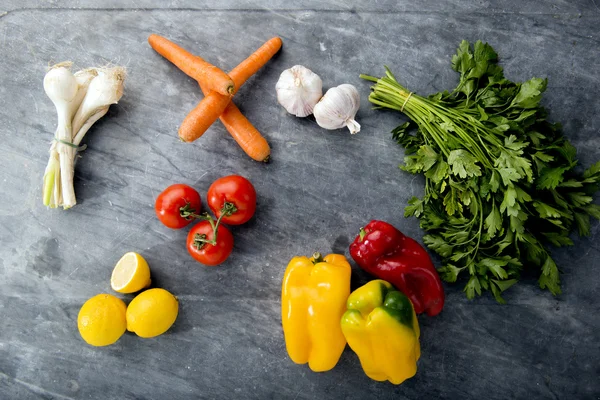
(236, 190)
(207, 253)
(170, 201)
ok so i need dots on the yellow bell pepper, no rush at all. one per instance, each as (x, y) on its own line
(313, 299)
(381, 327)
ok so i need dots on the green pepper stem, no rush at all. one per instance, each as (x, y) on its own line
(317, 257)
(362, 234)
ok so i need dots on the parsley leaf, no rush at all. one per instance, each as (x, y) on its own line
(415, 207)
(427, 157)
(438, 171)
(450, 273)
(472, 287)
(530, 93)
(493, 222)
(550, 178)
(463, 163)
(583, 224)
(438, 244)
(451, 203)
(495, 266)
(549, 278)
(593, 171)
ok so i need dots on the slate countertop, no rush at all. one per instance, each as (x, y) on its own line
(318, 190)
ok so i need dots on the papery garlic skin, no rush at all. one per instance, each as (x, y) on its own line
(338, 108)
(298, 90)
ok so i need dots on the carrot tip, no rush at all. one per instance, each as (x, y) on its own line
(231, 90)
(267, 159)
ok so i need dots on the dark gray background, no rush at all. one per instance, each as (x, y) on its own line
(320, 187)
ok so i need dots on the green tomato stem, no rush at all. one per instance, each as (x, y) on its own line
(200, 240)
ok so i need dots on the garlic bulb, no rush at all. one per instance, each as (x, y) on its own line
(338, 107)
(298, 90)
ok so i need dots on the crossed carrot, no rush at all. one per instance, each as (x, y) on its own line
(218, 89)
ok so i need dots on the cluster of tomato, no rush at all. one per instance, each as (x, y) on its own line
(232, 200)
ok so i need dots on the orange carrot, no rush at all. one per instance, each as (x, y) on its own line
(252, 64)
(243, 132)
(192, 65)
(214, 104)
(203, 116)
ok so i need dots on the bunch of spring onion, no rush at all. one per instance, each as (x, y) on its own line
(80, 99)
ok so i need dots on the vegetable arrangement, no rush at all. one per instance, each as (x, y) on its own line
(80, 99)
(218, 88)
(500, 179)
(232, 199)
(500, 185)
(319, 315)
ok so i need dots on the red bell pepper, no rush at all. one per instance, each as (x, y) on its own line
(384, 251)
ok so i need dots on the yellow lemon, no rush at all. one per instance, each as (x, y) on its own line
(101, 320)
(131, 274)
(152, 312)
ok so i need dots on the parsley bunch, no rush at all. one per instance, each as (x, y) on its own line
(500, 180)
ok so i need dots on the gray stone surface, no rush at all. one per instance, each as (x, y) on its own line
(319, 189)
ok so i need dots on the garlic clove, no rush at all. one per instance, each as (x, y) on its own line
(59, 83)
(298, 90)
(338, 108)
(83, 79)
(104, 89)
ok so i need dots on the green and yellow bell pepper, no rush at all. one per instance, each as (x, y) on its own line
(313, 300)
(381, 327)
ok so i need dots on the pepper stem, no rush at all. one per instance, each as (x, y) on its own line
(362, 233)
(317, 257)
